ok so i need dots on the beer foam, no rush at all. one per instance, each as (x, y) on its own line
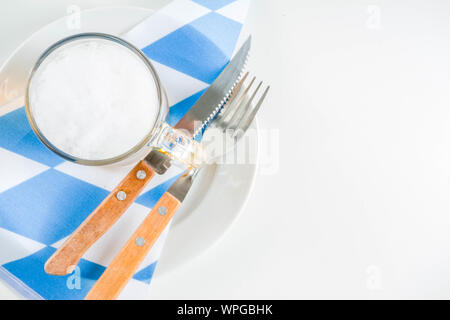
(94, 99)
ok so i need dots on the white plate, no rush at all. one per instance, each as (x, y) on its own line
(219, 193)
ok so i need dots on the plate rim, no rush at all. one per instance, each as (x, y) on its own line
(254, 166)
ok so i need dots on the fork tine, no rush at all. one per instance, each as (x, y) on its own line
(235, 110)
(251, 116)
(245, 109)
(238, 112)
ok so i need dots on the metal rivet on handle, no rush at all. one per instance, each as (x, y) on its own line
(141, 175)
(140, 241)
(121, 195)
(162, 210)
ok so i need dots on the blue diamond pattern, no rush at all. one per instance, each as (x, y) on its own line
(146, 274)
(48, 207)
(30, 270)
(222, 31)
(214, 4)
(17, 136)
(55, 206)
(178, 110)
(150, 198)
(200, 49)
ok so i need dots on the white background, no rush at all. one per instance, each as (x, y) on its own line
(359, 206)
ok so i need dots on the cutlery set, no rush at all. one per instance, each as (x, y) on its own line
(226, 111)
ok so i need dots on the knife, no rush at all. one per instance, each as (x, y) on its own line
(131, 256)
(64, 260)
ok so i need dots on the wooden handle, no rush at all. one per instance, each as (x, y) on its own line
(127, 262)
(64, 260)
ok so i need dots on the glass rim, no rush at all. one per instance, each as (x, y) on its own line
(97, 162)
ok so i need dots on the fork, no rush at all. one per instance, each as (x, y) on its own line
(234, 119)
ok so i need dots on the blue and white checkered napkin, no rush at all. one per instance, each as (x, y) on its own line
(43, 198)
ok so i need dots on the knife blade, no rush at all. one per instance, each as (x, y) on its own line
(210, 103)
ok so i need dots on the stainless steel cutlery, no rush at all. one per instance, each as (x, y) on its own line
(63, 261)
(234, 120)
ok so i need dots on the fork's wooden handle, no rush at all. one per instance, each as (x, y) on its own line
(126, 263)
(63, 261)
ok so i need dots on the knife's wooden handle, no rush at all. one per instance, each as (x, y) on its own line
(63, 261)
(127, 262)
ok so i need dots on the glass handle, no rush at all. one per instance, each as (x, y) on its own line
(180, 146)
